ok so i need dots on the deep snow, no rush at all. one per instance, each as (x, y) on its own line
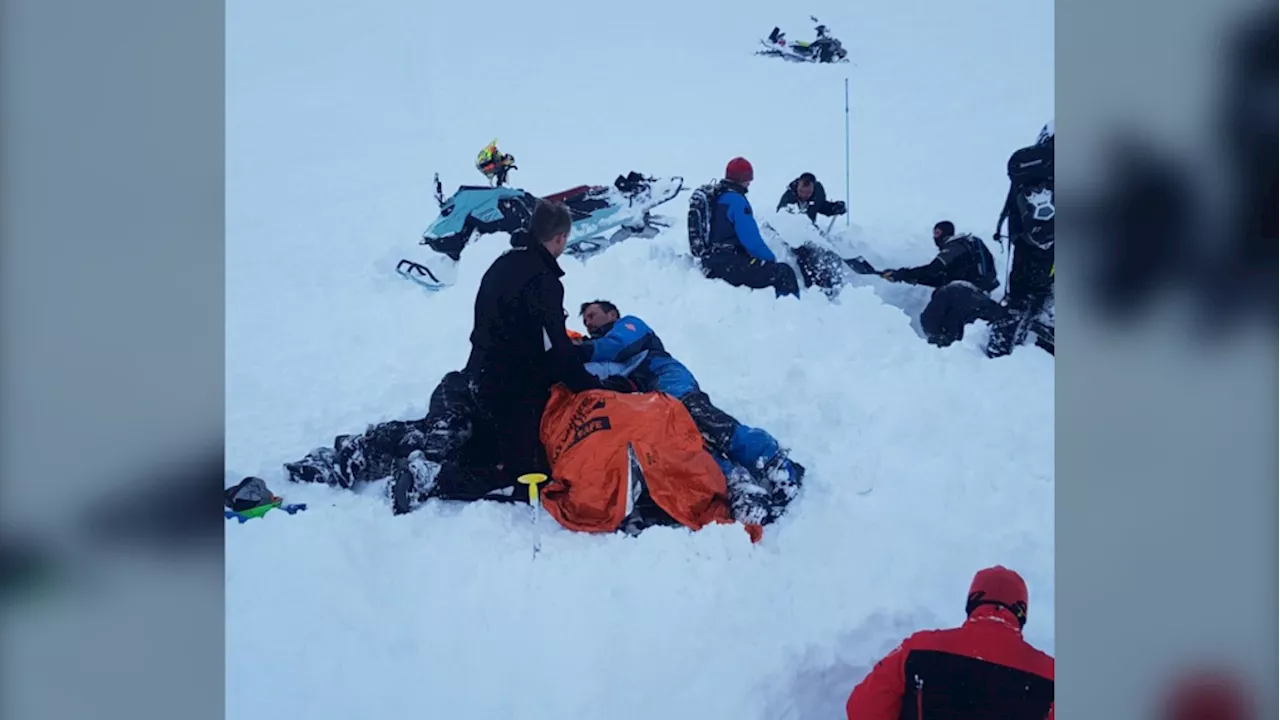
(925, 464)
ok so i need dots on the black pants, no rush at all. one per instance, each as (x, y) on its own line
(820, 267)
(952, 307)
(457, 432)
(1030, 286)
(741, 270)
(717, 426)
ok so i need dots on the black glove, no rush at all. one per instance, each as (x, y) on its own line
(837, 208)
(619, 383)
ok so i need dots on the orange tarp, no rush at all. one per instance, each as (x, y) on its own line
(587, 435)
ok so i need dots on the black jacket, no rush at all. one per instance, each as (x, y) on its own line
(817, 204)
(519, 345)
(960, 257)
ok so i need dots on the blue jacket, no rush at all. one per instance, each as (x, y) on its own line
(733, 226)
(630, 336)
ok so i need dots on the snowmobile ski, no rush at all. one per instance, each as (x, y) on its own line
(420, 274)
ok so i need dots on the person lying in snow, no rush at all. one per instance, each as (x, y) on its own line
(807, 194)
(650, 468)
(963, 275)
(738, 448)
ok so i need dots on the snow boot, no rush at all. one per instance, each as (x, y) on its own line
(319, 466)
(748, 502)
(413, 481)
(785, 477)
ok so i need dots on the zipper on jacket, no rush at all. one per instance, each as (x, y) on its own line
(919, 698)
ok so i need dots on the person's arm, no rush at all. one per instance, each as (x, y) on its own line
(824, 206)
(744, 223)
(788, 198)
(626, 338)
(879, 695)
(932, 275)
(547, 299)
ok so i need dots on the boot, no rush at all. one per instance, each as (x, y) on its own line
(319, 466)
(413, 481)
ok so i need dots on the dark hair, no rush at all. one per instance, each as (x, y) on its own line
(806, 178)
(605, 305)
(549, 219)
(947, 227)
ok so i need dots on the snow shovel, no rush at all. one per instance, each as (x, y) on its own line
(861, 266)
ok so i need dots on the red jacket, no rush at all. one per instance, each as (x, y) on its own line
(982, 669)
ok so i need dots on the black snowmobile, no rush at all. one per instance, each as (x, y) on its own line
(824, 49)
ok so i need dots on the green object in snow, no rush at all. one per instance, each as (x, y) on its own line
(260, 510)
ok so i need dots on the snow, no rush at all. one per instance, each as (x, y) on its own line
(924, 464)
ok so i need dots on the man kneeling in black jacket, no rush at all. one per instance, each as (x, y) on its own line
(964, 275)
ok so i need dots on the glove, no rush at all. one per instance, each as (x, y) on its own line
(837, 208)
(619, 383)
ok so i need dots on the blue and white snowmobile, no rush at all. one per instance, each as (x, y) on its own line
(602, 217)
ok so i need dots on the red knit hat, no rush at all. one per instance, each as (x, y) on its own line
(739, 170)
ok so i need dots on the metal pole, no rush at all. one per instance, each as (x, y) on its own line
(847, 219)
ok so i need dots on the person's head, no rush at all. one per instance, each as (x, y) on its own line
(1001, 587)
(550, 226)
(942, 231)
(598, 315)
(804, 186)
(739, 171)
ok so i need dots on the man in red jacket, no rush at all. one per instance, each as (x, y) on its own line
(982, 669)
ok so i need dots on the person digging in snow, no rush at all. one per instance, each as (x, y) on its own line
(963, 275)
(733, 249)
(807, 194)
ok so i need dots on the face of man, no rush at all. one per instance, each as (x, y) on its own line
(557, 243)
(804, 190)
(596, 317)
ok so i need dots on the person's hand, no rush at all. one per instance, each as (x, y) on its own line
(619, 383)
(838, 207)
(887, 275)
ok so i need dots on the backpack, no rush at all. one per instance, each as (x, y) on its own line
(1031, 172)
(987, 281)
(701, 203)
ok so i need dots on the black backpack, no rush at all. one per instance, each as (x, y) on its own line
(1031, 173)
(987, 280)
(701, 203)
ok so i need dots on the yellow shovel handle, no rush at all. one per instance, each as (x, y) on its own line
(532, 480)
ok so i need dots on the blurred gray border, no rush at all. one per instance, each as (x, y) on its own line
(111, 219)
(1166, 477)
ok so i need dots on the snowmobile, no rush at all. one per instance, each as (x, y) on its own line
(603, 216)
(824, 49)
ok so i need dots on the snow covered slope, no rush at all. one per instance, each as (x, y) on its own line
(924, 464)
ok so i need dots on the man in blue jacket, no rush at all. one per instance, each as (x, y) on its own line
(735, 252)
(628, 340)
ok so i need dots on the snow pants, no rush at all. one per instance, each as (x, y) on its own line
(741, 270)
(1030, 286)
(752, 448)
(952, 307)
(457, 432)
(820, 267)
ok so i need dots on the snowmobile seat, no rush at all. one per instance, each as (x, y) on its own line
(565, 195)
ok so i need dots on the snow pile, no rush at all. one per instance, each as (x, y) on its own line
(924, 464)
